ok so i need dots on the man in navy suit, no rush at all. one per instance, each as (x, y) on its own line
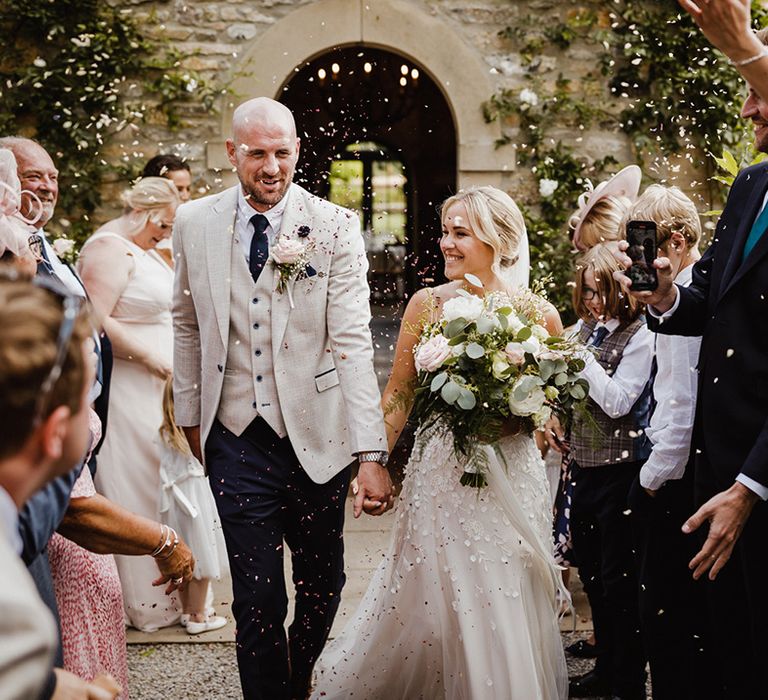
(727, 304)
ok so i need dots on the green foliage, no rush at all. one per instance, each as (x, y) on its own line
(656, 79)
(65, 80)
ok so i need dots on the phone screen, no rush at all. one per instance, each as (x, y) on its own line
(641, 237)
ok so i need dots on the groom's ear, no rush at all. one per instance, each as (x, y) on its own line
(231, 152)
(298, 146)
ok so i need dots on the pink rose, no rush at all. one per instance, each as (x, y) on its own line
(515, 353)
(433, 353)
(286, 251)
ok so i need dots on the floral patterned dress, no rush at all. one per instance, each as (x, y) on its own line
(90, 601)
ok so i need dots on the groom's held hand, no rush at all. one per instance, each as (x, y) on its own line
(662, 299)
(192, 433)
(374, 490)
(727, 513)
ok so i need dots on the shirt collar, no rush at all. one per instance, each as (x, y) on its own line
(685, 275)
(611, 324)
(9, 520)
(274, 215)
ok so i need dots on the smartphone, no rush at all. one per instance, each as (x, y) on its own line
(641, 237)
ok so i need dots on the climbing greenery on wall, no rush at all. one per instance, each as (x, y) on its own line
(656, 79)
(69, 71)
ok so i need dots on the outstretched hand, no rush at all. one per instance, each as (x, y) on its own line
(726, 23)
(176, 570)
(372, 490)
(663, 297)
(727, 513)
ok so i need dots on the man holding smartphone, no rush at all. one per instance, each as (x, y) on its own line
(727, 304)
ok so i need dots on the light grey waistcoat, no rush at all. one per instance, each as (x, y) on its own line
(249, 388)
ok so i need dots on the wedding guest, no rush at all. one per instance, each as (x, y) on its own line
(131, 288)
(661, 497)
(725, 305)
(45, 376)
(177, 170)
(15, 229)
(598, 220)
(608, 451)
(187, 505)
(601, 209)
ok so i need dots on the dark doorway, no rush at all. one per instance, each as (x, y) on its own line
(375, 123)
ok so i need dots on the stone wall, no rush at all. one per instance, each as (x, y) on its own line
(253, 47)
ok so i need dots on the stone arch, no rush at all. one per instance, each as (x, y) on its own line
(407, 28)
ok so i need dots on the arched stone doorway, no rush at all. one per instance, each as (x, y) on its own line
(382, 112)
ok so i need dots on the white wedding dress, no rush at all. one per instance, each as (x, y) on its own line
(464, 605)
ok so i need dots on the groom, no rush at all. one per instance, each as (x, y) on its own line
(275, 389)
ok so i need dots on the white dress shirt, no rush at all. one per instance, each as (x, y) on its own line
(751, 484)
(243, 228)
(616, 393)
(9, 520)
(674, 389)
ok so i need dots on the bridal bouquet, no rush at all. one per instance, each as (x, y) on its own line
(488, 363)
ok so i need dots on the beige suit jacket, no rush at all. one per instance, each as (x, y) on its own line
(321, 349)
(28, 636)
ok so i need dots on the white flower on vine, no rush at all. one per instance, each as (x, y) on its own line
(547, 187)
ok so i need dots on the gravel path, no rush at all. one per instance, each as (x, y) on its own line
(209, 671)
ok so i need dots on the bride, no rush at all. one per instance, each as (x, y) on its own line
(464, 605)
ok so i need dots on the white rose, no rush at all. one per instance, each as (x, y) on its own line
(547, 187)
(515, 353)
(540, 332)
(432, 353)
(62, 246)
(552, 355)
(287, 251)
(515, 324)
(529, 97)
(532, 399)
(468, 308)
(532, 345)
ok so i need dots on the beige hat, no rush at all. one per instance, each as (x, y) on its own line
(625, 183)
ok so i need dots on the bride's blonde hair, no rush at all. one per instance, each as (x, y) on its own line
(147, 198)
(494, 218)
(172, 434)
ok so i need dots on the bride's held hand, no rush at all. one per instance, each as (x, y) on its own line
(554, 435)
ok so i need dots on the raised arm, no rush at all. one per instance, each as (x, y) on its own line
(726, 23)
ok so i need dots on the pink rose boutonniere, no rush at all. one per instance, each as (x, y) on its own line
(291, 258)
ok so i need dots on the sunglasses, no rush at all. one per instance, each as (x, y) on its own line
(71, 306)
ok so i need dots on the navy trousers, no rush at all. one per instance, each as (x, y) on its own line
(265, 499)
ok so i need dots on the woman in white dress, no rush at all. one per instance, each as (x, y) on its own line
(464, 606)
(131, 290)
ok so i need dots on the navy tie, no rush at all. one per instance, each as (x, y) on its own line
(598, 337)
(259, 246)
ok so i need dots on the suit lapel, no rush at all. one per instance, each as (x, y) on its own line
(734, 269)
(219, 236)
(281, 305)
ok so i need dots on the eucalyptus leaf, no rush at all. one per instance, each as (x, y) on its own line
(466, 400)
(577, 391)
(546, 369)
(503, 320)
(455, 327)
(523, 334)
(475, 351)
(457, 339)
(438, 381)
(450, 392)
(561, 379)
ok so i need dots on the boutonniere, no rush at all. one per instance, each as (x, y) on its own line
(303, 231)
(65, 250)
(291, 258)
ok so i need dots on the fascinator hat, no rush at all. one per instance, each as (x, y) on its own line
(625, 183)
(14, 228)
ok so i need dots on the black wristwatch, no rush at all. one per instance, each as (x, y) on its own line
(380, 456)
